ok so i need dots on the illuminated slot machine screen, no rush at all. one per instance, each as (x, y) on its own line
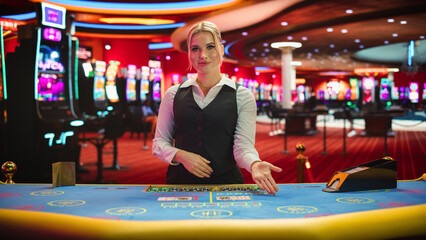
(111, 87)
(99, 81)
(268, 91)
(262, 91)
(256, 90)
(175, 79)
(367, 87)
(413, 92)
(301, 93)
(354, 94)
(51, 71)
(348, 94)
(294, 95)
(144, 83)
(131, 83)
(320, 95)
(384, 89)
(424, 92)
(333, 89)
(156, 84)
(395, 93)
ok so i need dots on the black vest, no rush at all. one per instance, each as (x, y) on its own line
(208, 132)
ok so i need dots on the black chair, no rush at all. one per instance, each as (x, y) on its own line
(137, 123)
(113, 128)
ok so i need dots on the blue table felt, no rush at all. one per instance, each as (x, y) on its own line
(131, 202)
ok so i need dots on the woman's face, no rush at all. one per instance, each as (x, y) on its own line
(203, 53)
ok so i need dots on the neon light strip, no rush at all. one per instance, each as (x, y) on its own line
(77, 43)
(128, 27)
(3, 66)
(36, 64)
(24, 16)
(32, 15)
(229, 46)
(154, 46)
(147, 8)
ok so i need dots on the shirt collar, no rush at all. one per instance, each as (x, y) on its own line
(223, 81)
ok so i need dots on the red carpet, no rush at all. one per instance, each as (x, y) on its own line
(408, 148)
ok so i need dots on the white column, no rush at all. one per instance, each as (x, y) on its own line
(287, 71)
(287, 76)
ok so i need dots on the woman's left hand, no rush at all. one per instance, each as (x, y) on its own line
(261, 174)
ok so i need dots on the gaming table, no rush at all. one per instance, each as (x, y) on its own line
(300, 211)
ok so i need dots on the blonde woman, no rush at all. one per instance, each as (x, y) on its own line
(206, 125)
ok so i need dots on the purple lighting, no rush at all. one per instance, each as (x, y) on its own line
(52, 34)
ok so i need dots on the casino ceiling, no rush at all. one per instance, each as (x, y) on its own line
(336, 36)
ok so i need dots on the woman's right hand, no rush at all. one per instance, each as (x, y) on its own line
(194, 163)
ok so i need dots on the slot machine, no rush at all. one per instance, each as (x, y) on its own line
(144, 85)
(384, 90)
(368, 88)
(43, 126)
(413, 94)
(176, 79)
(354, 91)
(301, 93)
(131, 84)
(395, 93)
(99, 93)
(157, 86)
(424, 96)
(111, 82)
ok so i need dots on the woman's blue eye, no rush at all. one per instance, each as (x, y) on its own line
(210, 47)
(194, 49)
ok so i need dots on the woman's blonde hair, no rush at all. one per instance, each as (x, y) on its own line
(204, 26)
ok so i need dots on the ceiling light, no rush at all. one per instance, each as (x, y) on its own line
(361, 46)
(349, 11)
(253, 49)
(393, 69)
(394, 34)
(386, 42)
(304, 38)
(244, 33)
(357, 40)
(422, 37)
(403, 22)
(286, 44)
(316, 50)
(296, 63)
(344, 30)
(329, 29)
(391, 20)
(265, 44)
(331, 45)
(289, 38)
(284, 23)
(153, 46)
(107, 47)
(143, 21)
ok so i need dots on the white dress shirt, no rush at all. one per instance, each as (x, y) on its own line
(244, 152)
